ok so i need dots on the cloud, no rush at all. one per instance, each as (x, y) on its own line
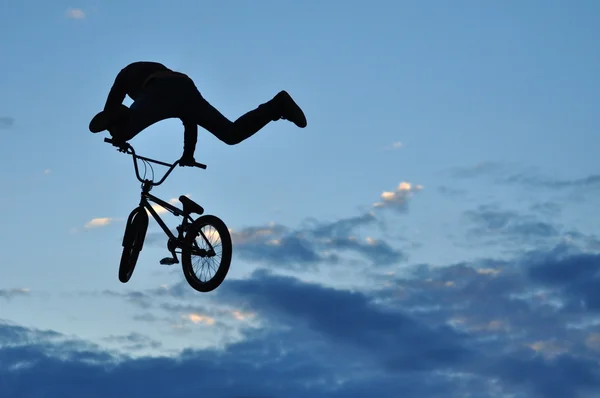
(487, 168)
(390, 338)
(523, 326)
(549, 209)
(510, 227)
(161, 210)
(591, 181)
(199, 318)
(317, 242)
(98, 222)
(395, 146)
(257, 367)
(451, 191)
(12, 293)
(504, 173)
(313, 244)
(575, 276)
(398, 199)
(75, 13)
(6, 122)
(134, 342)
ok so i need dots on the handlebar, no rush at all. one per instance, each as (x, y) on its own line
(127, 148)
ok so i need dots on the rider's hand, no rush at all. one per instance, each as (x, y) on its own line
(187, 160)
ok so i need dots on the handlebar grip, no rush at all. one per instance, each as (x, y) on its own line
(202, 166)
(108, 140)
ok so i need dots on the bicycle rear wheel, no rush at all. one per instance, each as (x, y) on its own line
(133, 241)
(208, 241)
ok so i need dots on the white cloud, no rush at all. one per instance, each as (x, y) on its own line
(395, 145)
(199, 318)
(161, 210)
(241, 316)
(400, 196)
(98, 222)
(75, 13)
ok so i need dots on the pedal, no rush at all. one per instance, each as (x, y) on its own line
(169, 261)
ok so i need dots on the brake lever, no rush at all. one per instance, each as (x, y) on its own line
(123, 148)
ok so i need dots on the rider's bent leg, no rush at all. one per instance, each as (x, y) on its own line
(232, 133)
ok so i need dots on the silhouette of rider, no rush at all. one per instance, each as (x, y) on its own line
(160, 93)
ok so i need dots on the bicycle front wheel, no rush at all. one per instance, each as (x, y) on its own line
(207, 249)
(133, 240)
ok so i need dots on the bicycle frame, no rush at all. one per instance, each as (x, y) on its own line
(145, 200)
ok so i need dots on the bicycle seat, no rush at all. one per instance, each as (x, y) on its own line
(189, 206)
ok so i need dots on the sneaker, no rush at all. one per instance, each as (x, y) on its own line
(290, 110)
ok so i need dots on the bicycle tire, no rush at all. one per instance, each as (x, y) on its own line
(133, 241)
(186, 254)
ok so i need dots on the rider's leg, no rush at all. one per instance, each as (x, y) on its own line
(174, 97)
(232, 133)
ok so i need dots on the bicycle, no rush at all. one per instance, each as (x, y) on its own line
(187, 231)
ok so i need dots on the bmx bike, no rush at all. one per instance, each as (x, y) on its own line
(186, 242)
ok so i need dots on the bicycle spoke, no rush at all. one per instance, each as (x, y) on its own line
(205, 264)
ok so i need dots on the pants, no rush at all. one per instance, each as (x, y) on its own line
(178, 97)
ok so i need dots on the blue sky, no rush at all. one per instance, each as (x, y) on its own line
(431, 233)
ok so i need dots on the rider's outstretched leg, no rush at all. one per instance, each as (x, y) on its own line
(282, 106)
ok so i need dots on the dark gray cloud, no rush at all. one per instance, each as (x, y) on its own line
(565, 376)
(323, 242)
(342, 228)
(514, 322)
(505, 173)
(144, 300)
(483, 169)
(134, 342)
(12, 293)
(6, 122)
(491, 223)
(146, 317)
(310, 245)
(591, 181)
(265, 365)
(575, 276)
(451, 191)
(28, 371)
(488, 328)
(15, 334)
(548, 209)
(353, 320)
(317, 242)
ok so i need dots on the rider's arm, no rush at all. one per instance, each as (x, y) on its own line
(190, 136)
(117, 92)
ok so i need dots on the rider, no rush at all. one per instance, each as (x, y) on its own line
(160, 93)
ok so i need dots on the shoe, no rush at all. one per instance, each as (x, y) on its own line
(290, 110)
